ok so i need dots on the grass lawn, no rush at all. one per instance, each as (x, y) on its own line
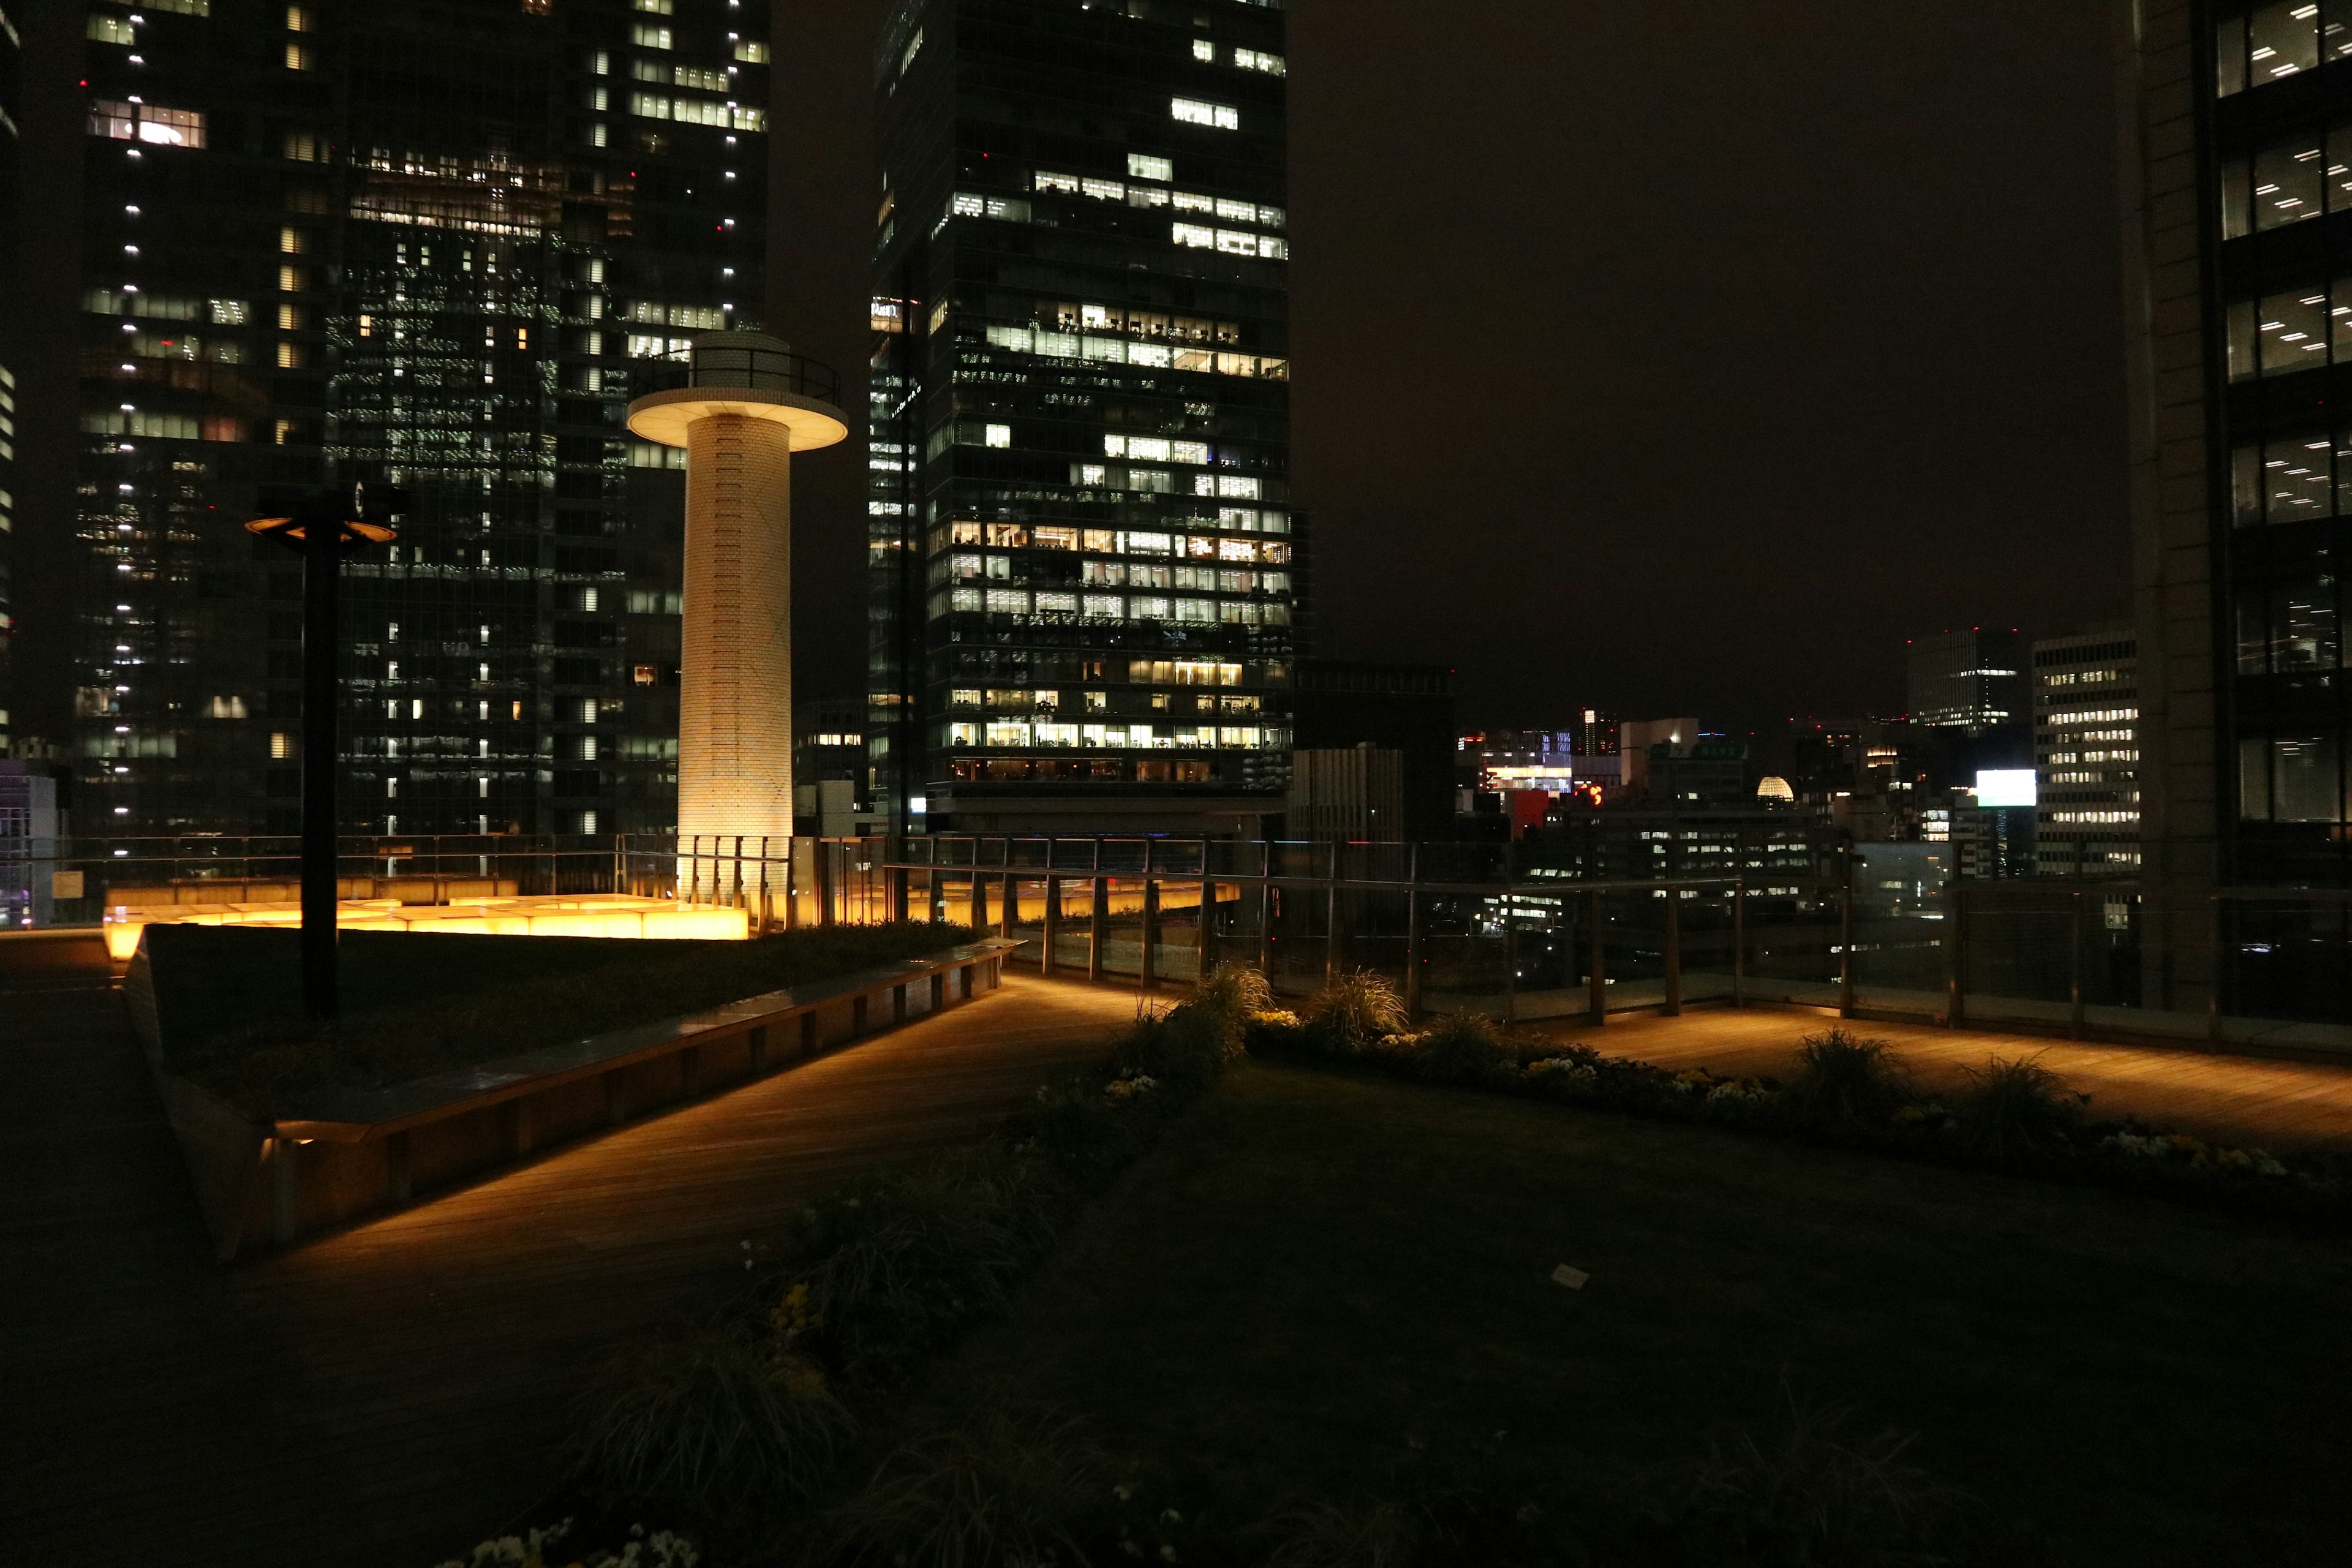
(230, 999)
(1317, 1269)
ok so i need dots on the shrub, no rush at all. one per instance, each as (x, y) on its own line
(1819, 1496)
(1186, 1044)
(662, 1548)
(1460, 1047)
(897, 1264)
(1357, 1009)
(1368, 1534)
(1848, 1081)
(2018, 1110)
(1233, 994)
(1006, 1487)
(709, 1421)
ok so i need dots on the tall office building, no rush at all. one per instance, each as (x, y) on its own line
(1085, 568)
(12, 288)
(1969, 679)
(2087, 753)
(434, 244)
(2238, 214)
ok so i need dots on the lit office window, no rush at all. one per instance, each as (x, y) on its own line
(2277, 41)
(2288, 183)
(1144, 167)
(1195, 111)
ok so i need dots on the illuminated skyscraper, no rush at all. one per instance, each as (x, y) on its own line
(434, 242)
(1086, 566)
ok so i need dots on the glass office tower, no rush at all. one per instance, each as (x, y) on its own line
(428, 244)
(1085, 568)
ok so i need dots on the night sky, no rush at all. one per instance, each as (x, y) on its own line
(1669, 358)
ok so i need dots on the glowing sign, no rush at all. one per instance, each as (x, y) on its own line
(2005, 786)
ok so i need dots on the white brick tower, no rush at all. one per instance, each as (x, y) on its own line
(746, 408)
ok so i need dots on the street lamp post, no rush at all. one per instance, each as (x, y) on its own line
(323, 525)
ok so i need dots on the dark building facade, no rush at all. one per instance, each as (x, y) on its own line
(1086, 572)
(12, 288)
(2238, 220)
(434, 244)
(1407, 708)
(1969, 679)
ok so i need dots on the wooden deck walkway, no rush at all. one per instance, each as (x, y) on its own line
(388, 1395)
(2234, 1100)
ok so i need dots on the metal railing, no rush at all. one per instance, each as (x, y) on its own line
(1484, 927)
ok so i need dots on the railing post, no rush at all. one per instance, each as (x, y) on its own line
(1739, 942)
(1008, 907)
(1846, 939)
(1097, 919)
(1412, 933)
(2074, 966)
(2213, 1033)
(1053, 930)
(1331, 918)
(1674, 1003)
(1510, 957)
(1265, 909)
(1598, 979)
(1956, 979)
(1150, 929)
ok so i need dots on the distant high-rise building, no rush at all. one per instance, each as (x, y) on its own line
(1087, 570)
(430, 243)
(1969, 679)
(2087, 753)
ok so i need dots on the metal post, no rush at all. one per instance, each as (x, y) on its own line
(1412, 933)
(1510, 958)
(322, 530)
(1673, 1005)
(1739, 942)
(1098, 920)
(1956, 955)
(1151, 931)
(1009, 907)
(1052, 932)
(1265, 909)
(2074, 966)
(1598, 978)
(2214, 975)
(979, 903)
(1845, 939)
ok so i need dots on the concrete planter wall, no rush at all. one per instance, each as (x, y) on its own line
(347, 1156)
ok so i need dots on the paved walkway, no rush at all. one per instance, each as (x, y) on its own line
(388, 1395)
(2234, 1100)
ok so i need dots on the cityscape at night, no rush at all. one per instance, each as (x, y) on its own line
(977, 783)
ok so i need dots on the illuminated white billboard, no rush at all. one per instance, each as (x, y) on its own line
(2005, 786)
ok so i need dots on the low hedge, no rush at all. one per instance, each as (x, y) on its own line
(2015, 1117)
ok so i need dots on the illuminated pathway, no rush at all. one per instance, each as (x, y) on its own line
(377, 1395)
(2233, 1100)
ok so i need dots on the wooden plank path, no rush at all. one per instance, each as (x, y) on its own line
(389, 1395)
(2232, 1099)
